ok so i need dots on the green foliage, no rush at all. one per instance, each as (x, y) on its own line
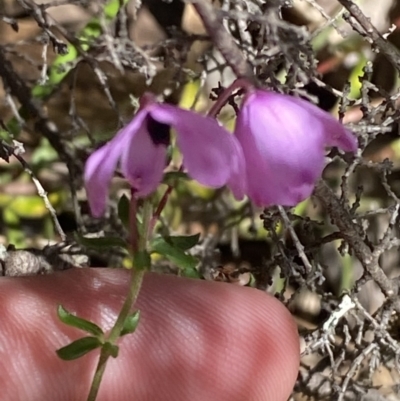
(64, 63)
(354, 78)
(15, 209)
(32, 207)
(78, 348)
(191, 273)
(78, 322)
(100, 243)
(184, 242)
(173, 252)
(131, 323)
(44, 153)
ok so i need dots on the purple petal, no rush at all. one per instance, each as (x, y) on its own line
(99, 170)
(210, 153)
(142, 161)
(335, 133)
(283, 145)
(237, 182)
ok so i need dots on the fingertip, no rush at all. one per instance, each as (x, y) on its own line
(196, 340)
(281, 342)
(249, 337)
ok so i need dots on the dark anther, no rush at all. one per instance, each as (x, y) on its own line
(159, 132)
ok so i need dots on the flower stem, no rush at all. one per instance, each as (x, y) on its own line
(98, 375)
(239, 83)
(147, 228)
(136, 280)
(135, 285)
(133, 229)
(134, 288)
(161, 204)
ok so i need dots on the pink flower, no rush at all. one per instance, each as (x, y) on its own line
(283, 140)
(211, 155)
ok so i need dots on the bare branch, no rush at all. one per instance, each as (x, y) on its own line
(221, 38)
(372, 34)
(351, 233)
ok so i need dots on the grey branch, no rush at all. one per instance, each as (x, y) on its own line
(350, 233)
(223, 40)
(17, 87)
(377, 40)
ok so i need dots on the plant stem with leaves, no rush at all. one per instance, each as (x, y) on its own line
(140, 266)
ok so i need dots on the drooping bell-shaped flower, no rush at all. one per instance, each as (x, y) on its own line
(283, 139)
(211, 155)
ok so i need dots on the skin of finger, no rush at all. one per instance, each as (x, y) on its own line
(196, 340)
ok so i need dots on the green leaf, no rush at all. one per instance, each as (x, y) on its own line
(123, 210)
(64, 63)
(78, 322)
(142, 260)
(44, 153)
(31, 206)
(252, 283)
(354, 78)
(13, 127)
(100, 243)
(173, 253)
(111, 349)
(112, 8)
(4, 135)
(131, 323)
(78, 348)
(184, 242)
(191, 273)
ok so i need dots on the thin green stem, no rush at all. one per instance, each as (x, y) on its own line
(147, 227)
(98, 375)
(134, 289)
(133, 293)
(136, 283)
(161, 205)
(133, 228)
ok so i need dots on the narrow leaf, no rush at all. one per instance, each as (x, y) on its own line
(131, 323)
(78, 322)
(100, 243)
(184, 242)
(78, 348)
(191, 273)
(174, 254)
